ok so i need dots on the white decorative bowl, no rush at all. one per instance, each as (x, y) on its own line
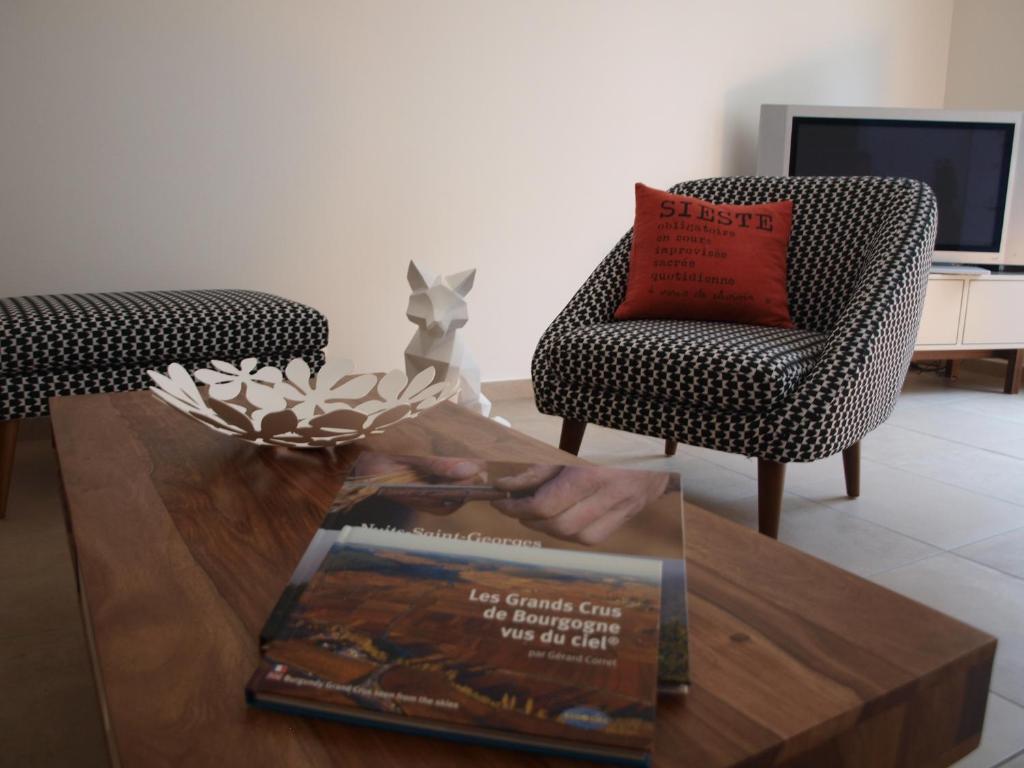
(293, 408)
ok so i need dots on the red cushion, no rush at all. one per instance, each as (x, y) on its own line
(694, 260)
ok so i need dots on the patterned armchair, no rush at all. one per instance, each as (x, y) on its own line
(858, 263)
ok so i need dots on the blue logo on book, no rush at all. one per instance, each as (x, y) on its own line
(587, 718)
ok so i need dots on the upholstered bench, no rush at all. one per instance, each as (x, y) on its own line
(105, 342)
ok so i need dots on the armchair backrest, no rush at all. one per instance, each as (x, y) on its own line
(835, 222)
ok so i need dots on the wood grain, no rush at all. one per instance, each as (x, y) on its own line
(185, 539)
(8, 441)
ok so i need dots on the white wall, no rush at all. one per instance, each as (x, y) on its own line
(986, 63)
(986, 55)
(311, 147)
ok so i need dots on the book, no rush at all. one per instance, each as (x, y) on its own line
(524, 647)
(412, 494)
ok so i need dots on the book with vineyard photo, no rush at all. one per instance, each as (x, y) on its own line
(560, 507)
(515, 646)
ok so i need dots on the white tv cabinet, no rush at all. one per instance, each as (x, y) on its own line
(974, 316)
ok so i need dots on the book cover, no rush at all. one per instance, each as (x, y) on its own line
(563, 507)
(512, 645)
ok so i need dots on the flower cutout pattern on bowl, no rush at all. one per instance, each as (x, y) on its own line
(333, 384)
(294, 408)
(226, 381)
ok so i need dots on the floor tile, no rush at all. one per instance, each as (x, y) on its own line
(975, 469)
(934, 512)
(1016, 762)
(971, 468)
(927, 389)
(987, 599)
(958, 424)
(603, 445)
(846, 541)
(1004, 552)
(705, 484)
(1000, 406)
(744, 465)
(1002, 737)
(517, 409)
(894, 445)
(826, 470)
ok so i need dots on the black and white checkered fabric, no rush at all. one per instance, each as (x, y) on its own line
(691, 361)
(858, 262)
(105, 342)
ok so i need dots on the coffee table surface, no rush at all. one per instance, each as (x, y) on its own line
(185, 538)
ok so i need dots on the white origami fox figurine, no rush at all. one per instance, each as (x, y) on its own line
(438, 308)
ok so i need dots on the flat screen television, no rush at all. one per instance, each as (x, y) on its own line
(968, 158)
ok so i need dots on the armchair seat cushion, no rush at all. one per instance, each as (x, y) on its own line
(721, 367)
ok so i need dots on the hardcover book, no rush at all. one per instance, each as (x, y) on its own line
(562, 507)
(516, 646)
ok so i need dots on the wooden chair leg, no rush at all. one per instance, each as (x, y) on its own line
(1013, 371)
(771, 480)
(851, 468)
(8, 438)
(572, 435)
(670, 447)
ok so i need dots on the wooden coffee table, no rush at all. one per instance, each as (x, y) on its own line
(184, 540)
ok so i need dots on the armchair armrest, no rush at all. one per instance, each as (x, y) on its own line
(854, 385)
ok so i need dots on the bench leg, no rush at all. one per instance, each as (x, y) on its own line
(572, 435)
(8, 438)
(1013, 371)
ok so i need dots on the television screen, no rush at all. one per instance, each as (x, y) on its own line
(966, 164)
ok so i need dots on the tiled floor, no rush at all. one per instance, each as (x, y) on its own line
(941, 519)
